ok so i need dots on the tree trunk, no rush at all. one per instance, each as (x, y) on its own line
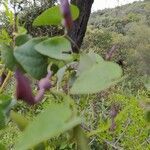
(78, 30)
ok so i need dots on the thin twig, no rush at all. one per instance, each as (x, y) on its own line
(73, 42)
(5, 81)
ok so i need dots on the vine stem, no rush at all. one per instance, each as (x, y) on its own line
(73, 42)
(5, 81)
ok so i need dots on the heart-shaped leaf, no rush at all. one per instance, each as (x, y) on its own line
(56, 47)
(53, 16)
(96, 78)
(33, 63)
(56, 119)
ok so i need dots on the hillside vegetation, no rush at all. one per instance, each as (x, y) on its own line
(116, 118)
(127, 29)
(124, 34)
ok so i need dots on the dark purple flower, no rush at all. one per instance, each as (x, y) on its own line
(24, 91)
(23, 88)
(65, 8)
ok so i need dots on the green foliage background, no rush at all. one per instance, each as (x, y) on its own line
(127, 27)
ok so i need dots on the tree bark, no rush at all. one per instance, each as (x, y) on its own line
(78, 30)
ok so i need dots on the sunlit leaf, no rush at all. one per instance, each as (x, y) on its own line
(53, 16)
(56, 47)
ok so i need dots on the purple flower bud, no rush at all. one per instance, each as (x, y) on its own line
(65, 8)
(23, 89)
(45, 82)
(110, 54)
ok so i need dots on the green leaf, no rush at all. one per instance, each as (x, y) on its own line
(33, 63)
(97, 78)
(53, 16)
(20, 120)
(7, 57)
(56, 47)
(4, 101)
(95, 57)
(22, 39)
(87, 61)
(56, 119)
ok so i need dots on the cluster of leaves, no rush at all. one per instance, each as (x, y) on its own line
(35, 57)
(80, 74)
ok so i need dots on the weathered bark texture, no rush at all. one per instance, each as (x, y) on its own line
(78, 30)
